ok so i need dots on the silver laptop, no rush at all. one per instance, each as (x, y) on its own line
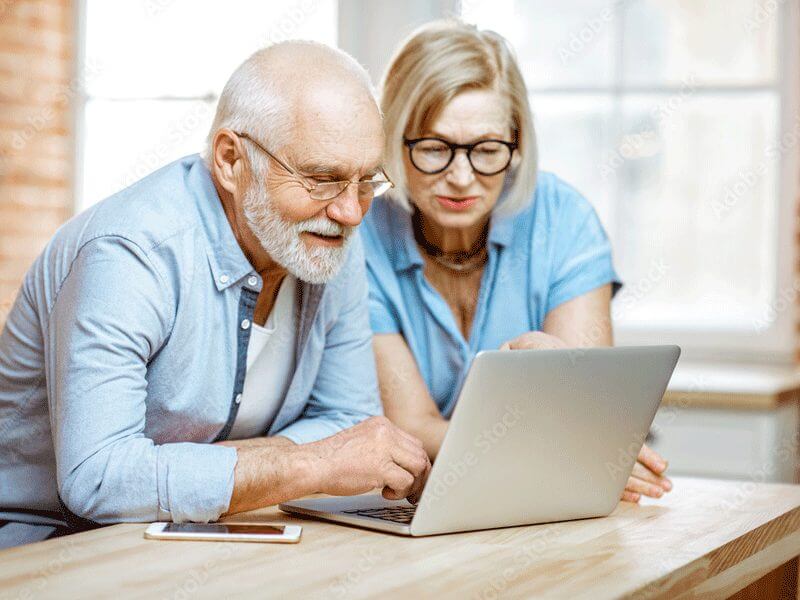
(537, 436)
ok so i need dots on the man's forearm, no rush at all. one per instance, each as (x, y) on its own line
(269, 471)
(259, 442)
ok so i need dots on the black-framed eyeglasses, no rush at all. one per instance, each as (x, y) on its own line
(433, 155)
(328, 190)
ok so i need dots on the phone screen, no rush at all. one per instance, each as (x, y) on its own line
(223, 528)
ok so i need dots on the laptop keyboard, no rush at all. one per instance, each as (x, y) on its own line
(396, 514)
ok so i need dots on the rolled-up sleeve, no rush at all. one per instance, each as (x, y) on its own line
(110, 317)
(346, 389)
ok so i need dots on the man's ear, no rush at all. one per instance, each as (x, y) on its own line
(227, 160)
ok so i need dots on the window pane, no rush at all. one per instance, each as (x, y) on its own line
(126, 140)
(700, 41)
(147, 48)
(566, 43)
(573, 133)
(696, 208)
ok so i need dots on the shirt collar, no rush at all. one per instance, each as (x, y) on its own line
(405, 250)
(228, 262)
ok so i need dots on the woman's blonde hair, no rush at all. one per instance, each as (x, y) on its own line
(437, 62)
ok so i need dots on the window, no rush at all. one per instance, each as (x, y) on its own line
(676, 118)
(151, 72)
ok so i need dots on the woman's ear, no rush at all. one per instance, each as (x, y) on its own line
(516, 159)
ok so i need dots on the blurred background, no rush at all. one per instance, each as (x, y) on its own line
(677, 119)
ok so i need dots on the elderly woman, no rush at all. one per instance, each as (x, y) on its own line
(474, 249)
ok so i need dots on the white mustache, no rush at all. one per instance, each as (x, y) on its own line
(323, 226)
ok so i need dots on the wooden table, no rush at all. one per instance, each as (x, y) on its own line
(706, 539)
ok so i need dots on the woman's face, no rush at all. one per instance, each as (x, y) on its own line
(458, 197)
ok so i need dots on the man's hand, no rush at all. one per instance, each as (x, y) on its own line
(373, 454)
(534, 340)
(647, 477)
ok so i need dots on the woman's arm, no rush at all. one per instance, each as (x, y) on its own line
(406, 400)
(583, 322)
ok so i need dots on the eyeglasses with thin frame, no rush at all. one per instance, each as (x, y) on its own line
(328, 190)
(432, 155)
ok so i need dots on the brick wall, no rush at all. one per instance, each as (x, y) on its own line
(36, 93)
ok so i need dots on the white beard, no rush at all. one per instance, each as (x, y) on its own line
(281, 239)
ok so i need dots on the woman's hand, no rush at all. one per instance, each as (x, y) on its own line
(534, 340)
(647, 477)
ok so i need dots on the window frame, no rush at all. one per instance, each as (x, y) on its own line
(776, 344)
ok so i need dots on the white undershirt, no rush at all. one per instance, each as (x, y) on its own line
(270, 365)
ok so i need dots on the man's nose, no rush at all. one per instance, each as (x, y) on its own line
(459, 173)
(345, 208)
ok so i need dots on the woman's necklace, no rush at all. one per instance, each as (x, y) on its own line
(459, 261)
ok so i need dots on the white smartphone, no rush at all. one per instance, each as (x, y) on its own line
(225, 532)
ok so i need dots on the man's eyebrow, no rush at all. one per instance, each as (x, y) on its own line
(371, 173)
(337, 174)
(313, 169)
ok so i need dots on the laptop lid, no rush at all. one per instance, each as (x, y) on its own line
(543, 435)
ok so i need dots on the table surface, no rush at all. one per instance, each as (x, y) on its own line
(706, 538)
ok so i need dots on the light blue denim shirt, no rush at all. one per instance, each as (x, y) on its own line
(124, 356)
(551, 252)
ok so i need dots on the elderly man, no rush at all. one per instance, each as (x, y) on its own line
(198, 344)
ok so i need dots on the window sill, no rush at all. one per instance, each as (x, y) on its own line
(733, 385)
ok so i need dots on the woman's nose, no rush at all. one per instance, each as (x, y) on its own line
(460, 173)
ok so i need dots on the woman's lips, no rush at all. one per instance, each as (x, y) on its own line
(457, 202)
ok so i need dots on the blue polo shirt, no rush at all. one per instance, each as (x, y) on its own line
(551, 252)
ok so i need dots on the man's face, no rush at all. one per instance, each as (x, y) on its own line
(337, 136)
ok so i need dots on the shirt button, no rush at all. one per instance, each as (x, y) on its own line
(238, 399)
(252, 280)
(224, 279)
(246, 324)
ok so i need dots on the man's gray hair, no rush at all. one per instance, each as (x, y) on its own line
(258, 97)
